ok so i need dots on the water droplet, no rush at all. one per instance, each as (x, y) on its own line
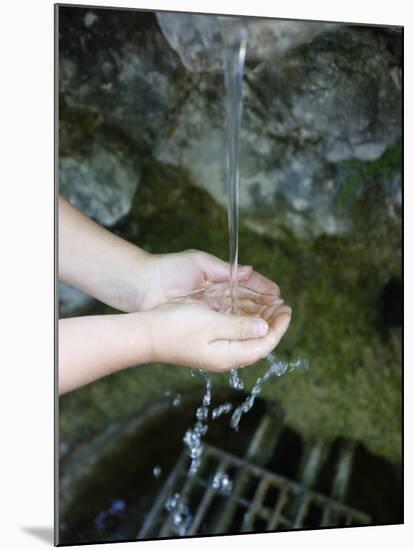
(176, 400)
(222, 483)
(171, 503)
(156, 471)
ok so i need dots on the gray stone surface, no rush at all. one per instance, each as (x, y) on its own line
(101, 183)
(72, 301)
(200, 39)
(314, 96)
(117, 64)
(304, 113)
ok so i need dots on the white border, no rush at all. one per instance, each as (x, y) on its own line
(26, 126)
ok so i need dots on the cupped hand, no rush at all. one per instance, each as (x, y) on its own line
(190, 332)
(168, 276)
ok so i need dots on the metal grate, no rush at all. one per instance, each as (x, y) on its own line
(260, 500)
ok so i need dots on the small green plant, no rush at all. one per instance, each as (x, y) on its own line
(361, 172)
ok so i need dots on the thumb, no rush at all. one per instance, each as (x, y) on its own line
(232, 327)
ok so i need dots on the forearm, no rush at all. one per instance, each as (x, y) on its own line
(95, 346)
(97, 261)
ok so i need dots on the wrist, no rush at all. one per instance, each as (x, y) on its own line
(160, 347)
(137, 338)
(125, 286)
(133, 280)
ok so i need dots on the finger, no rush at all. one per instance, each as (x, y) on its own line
(238, 327)
(249, 307)
(261, 284)
(234, 354)
(219, 297)
(229, 354)
(221, 292)
(217, 270)
(269, 311)
(244, 292)
(279, 323)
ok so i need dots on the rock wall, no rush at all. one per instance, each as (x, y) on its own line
(327, 95)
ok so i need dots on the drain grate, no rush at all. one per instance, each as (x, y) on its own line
(260, 500)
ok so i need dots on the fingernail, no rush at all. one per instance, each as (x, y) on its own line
(276, 301)
(260, 327)
(245, 267)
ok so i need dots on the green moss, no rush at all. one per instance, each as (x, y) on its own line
(80, 130)
(353, 386)
(360, 172)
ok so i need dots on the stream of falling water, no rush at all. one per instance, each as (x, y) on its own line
(234, 51)
(234, 55)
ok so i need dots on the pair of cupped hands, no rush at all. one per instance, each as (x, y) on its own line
(188, 302)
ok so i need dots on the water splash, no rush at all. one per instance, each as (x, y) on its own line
(277, 368)
(235, 381)
(176, 397)
(193, 437)
(224, 408)
(182, 517)
(116, 508)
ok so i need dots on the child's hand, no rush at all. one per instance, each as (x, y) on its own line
(183, 297)
(192, 334)
(126, 277)
(167, 276)
(186, 332)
